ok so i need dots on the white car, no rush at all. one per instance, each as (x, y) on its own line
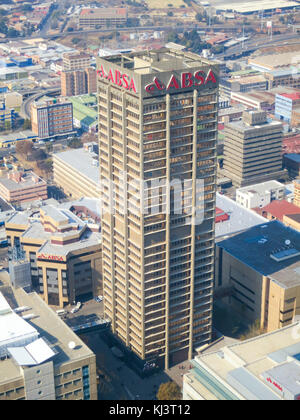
(100, 298)
(74, 310)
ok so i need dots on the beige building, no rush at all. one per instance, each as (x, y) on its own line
(42, 359)
(64, 253)
(252, 149)
(76, 61)
(158, 121)
(78, 82)
(108, 17)
(76, 172)
(51, 118)
(261, 266)
(262, 368)
(20, 187)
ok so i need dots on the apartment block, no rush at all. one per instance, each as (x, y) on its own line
(78, 82)
(158, 124)
(76, 61)
(51, 118)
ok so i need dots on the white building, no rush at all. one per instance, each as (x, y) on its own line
(260, 195)
(266, 367)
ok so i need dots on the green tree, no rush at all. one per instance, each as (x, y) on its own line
(169, 391)
(75, 143)
(27, 125)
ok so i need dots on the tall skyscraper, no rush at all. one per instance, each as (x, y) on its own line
(157, 144)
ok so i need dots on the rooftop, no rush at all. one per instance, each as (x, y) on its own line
(47, 325)
(82, 161)
(18, 181)
(262, 368)
(261, 188)
(256, 246)
(279, 208)
(240, 218)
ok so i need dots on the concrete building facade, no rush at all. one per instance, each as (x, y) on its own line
(262, 265)
(51, 118)
(252, 149)
(259, 195)
(34, 369)
(157, 123)
(64, 253)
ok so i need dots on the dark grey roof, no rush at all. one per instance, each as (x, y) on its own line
(254, 246)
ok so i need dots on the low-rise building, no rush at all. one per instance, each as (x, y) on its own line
(64, 253)
(103, 17)
(259, 195)
(76, 172)
(277, 210)
(286, 107)
(261, 266)
(42, 359)
(19, 187)
(262, 368)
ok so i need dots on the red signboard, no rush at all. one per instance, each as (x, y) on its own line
(50, 257)
(275, 384)
(186, 80)
(118, 78)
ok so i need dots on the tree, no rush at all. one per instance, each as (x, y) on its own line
(24, 147)
(169, 391)
(27, 125)
(75, 143)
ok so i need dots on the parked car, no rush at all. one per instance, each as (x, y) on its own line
(74, 310)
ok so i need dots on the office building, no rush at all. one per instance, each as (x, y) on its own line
(243, 84)
(51, 118)
(291, 161)
(287, 106)
(76, 172)
(64, 253)
(259, 195)
(104, 17)
(158, 121)
(252, 149)
(78, 82)
(261, 266)
(76, 61)
(262, 368)
(20, 187)
(42, 358)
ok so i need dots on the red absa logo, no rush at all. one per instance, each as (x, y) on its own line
(187, 80)
(117, 78)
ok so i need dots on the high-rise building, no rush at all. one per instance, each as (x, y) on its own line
(158, 127)
(52, 118)
(252, 149)
(76, 61)
(78, 82)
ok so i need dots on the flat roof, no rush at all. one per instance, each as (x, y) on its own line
(255, 246)
(242, 369)
(49, 325)
(82, 161)
(240, 218)
(261, 188)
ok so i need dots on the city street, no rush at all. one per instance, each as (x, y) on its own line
(116, 380)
